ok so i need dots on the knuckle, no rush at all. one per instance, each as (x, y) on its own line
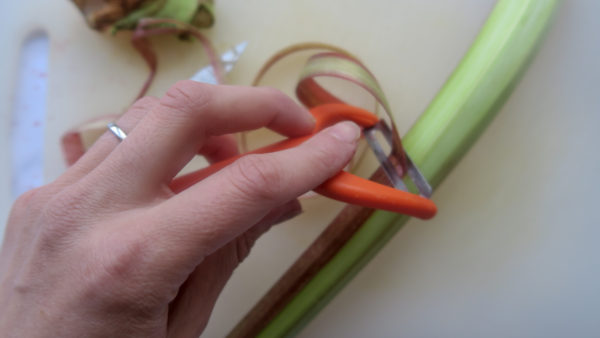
(31, 199)
(118, 274)
(26, 211)
(122, 259)
(184, 98)
(145, 102)
(62, 207)
(143, 105)
(257, 176)
(55, 228)
(64, 213)
(277, 96)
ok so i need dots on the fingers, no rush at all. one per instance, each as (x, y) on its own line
(108, 142)
(219, 148)
(197, 296)
(171, 133)
(216, 210)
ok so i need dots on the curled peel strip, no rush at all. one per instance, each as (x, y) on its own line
(335, 62)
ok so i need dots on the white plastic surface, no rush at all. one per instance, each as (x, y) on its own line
(513, 251)
(29, 115)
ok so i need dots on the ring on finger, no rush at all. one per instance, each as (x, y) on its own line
(117, 131)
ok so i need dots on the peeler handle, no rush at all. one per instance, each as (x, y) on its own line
(353, 189)
(325, 115)
(344, 186)
(183, 182)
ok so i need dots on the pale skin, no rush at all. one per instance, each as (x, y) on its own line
(109, 250)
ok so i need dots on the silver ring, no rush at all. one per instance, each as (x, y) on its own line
(117, 131)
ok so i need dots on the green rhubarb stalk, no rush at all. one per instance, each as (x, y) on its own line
(442, 135)
(199, 13)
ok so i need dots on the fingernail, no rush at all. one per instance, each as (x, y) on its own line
(346, 131)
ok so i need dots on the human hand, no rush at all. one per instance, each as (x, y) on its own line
(109, 250)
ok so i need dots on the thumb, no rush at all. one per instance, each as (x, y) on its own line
(190, 310)
(213, 212)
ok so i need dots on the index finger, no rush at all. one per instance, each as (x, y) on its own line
(171, 133)
(201, 219)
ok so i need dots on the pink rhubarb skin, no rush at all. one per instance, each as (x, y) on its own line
(72, 147)
(73, 142)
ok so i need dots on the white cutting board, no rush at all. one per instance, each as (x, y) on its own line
(513, 250)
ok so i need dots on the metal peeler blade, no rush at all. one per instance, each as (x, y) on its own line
(395, 173)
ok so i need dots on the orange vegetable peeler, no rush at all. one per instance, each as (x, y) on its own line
(344, 186)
